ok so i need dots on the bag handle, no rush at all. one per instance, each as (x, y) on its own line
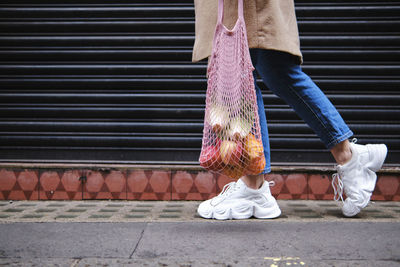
(221, 10)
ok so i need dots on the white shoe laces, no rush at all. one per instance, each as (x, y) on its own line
(231, 187)
(337, 182)
(227, 190)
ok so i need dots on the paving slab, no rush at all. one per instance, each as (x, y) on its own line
(69, 240)
(170, 233)
(213, 243)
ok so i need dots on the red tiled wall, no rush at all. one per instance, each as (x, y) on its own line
(39, 184)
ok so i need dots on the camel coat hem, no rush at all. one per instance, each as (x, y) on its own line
(270, 24)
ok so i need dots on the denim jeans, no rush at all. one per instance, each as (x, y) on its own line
(282, 74)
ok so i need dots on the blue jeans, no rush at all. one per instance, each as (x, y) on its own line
(282, 74)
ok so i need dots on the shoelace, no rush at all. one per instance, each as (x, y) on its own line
(227, 189)
(337, 182)
(230, 187)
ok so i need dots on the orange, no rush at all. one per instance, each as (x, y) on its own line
(234, 172)
(254, 148)
(256, 166)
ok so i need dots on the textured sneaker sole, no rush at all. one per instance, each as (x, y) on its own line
(351, 210)
(267, 213)
(240, 212)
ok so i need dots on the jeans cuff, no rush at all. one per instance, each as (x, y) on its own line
(345, 136)
(267, 170)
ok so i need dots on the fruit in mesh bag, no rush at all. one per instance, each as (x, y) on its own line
(239, 128)
(256, 166)
(210, 157)
(234, 172)
(253, 147)
(254, 155)
(231, 152)
(218, 118)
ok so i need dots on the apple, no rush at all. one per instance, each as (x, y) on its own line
(231, 152)
(210, 158)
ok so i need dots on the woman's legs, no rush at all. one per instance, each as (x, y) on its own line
(255, 181)
(283, 76)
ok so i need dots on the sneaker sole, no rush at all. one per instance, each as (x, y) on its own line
(263, 213)
(243, 212)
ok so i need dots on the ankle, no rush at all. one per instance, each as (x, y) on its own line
(342, 152)
(253, 181)
(344, 157)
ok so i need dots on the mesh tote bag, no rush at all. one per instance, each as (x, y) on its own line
(231, 143)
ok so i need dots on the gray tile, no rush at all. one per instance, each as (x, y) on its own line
(13, 210)
(66, 216)
(135, 216)
(327, 205)
(371, 210)
(311, 215)
(56, 205)
(169, 216)
(33, 216)
(171, 210)
(45, 210)
(391, 205)
(140, 210)
(76, 210)
(174, 205)
(86, 205)
(144, 205)
(382, 216)
(98, 216)
(115, 205)
(303, 210)
(296, 205)
(108, 210)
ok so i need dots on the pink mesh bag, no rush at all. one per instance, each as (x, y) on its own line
(231, 142)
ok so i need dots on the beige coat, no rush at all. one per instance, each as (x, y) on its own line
(271, 24)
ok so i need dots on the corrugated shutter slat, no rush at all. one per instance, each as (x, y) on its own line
(101, 81)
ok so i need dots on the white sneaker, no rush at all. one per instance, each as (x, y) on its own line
(237, 201)
(357, 177)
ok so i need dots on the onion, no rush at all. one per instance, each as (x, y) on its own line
(218, 118)
(239, 128)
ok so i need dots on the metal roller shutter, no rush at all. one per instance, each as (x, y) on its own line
(112, 81)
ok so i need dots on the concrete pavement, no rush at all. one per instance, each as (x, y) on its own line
(186, 240)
